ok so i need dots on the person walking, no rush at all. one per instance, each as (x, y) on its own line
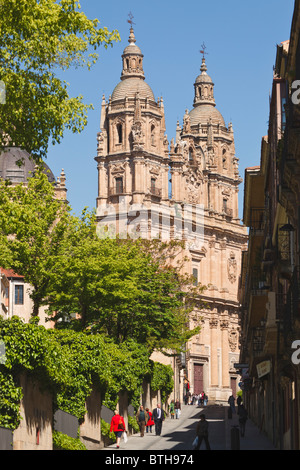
(142, 419)
(150, 421)
(202, 433)
(231, 401)
(117, 426)
(243, 416)
(239, 402)
(177, 409)
(158, 416)
(172, 409)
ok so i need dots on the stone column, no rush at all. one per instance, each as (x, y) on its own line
(224, 324)
(213, 323)
(211, 244)
(102, 186)
(223, 263)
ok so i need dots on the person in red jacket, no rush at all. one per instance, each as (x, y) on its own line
(117, 426)
(150, 421)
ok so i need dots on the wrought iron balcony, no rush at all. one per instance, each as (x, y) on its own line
(257, 219)
(258, 340)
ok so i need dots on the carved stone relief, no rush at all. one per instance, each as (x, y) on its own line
(233, 340)
(232, 268)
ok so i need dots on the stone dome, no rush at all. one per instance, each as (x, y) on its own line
(202, 113)
(130, 87)
(132, 49)
(204, 78)
(16, 173)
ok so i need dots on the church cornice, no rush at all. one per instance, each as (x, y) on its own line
(116, 112)
(225, 179)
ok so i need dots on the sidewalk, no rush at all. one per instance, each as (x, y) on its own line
(177, 434)
(254, 439)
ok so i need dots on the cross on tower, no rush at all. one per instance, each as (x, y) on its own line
(203, 50)
(130, 15)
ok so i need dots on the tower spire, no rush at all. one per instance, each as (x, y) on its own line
(204, 86)
(132, 56)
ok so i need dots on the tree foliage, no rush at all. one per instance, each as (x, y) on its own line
(119, 289)
(32, 224)
(38, 38)
(69, 365)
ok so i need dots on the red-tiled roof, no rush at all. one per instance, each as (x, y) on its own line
(10, 273)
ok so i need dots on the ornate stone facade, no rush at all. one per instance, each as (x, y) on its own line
(135, 163)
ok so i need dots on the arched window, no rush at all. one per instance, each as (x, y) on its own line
(153, 134)
(224, 159)
(191, 155)
(120, 133)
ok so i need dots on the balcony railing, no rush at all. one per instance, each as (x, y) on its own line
(257, 219)
(228, 212)
(116, 191)
(258, 341)
(288, 307)
(155, 191)
(258, 284)
(283, 243)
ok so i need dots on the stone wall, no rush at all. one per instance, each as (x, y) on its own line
(35, 430)
(90, 429)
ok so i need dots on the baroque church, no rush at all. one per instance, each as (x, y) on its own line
(185, 189)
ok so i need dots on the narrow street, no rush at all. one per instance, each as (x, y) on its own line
(178, 435)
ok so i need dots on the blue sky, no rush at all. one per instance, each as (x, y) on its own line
(241, 39)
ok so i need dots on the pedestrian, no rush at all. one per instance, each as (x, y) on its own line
(158, 416)
(177, 409)
(117, 426)
(150, 421)
(172, 409)
(205, 399)
(243, 416)
(202, 433)
(239, 402)
(142, 419)
(231, 401)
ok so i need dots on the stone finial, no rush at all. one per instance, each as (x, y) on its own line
(62, 178)
(131, 38)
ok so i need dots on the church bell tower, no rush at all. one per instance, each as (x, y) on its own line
(132, 150)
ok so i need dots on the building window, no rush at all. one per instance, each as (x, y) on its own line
(153, 180)
(19, 295)
(120, 135)
(195, 276)
(119, 185)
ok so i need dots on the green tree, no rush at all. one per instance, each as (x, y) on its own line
(119, 288)
(39, 38)
(32, 224)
